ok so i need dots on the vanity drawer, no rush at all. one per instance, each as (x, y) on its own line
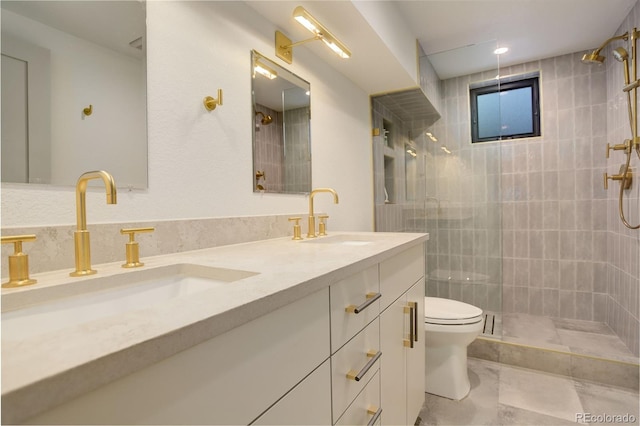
(399, 273)
(366, 406)
(352, 360)
(346, 297)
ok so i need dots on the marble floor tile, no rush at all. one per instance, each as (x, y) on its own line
(600, 399)
(502, 395)
(508, 415)
(478, 408)
(539, 392)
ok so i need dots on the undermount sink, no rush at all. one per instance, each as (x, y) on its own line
(342, 239)
(107, 296)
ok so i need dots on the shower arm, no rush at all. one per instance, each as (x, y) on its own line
(624, 36)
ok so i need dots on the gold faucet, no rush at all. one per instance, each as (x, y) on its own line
(81, 236)
(311, 232)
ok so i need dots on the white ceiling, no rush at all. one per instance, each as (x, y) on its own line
(465, 29)
(113, 24)
(532, 29)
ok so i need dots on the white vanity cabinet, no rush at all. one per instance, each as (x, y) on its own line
(335, 356)
(230, 379)
(402, 337)
(309, 403)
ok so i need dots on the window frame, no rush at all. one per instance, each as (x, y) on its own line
(512, 83)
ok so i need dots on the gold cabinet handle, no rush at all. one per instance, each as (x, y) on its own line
(371, 297)
(409, 309)
(376, 411)
(18, 262)
(412, 310)
(415, 320)
(357, 376)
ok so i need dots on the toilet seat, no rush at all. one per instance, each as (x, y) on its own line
(450, 312)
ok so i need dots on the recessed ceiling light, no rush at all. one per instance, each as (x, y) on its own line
(501, 50)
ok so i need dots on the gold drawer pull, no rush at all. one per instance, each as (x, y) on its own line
(371, 297)
(412, 310)
(357, 376)
(376, 414)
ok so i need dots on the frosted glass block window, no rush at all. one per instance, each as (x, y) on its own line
(505, 110)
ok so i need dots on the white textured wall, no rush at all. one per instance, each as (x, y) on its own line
(199, 161)
(82, 74)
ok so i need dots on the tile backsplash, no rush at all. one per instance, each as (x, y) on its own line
(54, 247)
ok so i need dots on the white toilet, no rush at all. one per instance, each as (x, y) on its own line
(450, 326)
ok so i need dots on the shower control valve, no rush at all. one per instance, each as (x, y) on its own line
(617, 147)
(624, 178)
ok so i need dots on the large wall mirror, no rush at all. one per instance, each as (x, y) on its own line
(281, 118)
(74, 91)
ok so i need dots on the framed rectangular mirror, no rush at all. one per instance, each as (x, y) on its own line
(281, 123)
(74, 91)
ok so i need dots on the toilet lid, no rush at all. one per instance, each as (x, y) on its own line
(447, 311)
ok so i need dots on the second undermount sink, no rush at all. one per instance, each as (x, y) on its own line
(342, 239)
(107, 296)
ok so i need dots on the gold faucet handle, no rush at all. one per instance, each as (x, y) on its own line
(297, 232)
(618, 147)
(625, 177)
(18, 262)
(132, 247)
(322, 226)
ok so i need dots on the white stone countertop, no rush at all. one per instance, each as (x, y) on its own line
(43, 370)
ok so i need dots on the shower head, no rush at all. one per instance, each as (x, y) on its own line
(620, 54)
(593, 58)
(266, 119)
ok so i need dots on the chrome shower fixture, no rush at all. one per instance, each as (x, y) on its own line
(266, 119)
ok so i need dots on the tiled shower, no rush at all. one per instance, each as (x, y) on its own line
(522, 226)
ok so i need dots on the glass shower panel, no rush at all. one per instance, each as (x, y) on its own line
(461, 206)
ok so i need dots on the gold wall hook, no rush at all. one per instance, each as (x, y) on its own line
(88, 110)
(210, 103)
(132, 247)
(18, 262)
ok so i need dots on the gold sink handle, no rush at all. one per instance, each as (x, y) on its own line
(297, 232)
(132, 247)
(18, 262)
(322, 226)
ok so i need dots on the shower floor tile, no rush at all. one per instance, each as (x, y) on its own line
(505, 395)
(575, 336)
(596, 344)
(584, 326)
(534, 328)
